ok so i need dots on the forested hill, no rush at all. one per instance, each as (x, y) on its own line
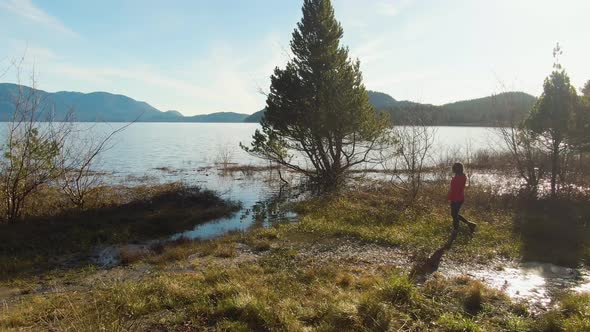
(486, 111)
(103, 106)
(379, 100)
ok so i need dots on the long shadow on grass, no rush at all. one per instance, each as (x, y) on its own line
(38, 244)
(554, 231)
(430, 265)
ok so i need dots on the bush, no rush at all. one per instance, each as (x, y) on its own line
(398, 289)
(472, 301)
(374, 315)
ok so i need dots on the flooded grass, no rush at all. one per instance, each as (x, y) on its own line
(125, 215)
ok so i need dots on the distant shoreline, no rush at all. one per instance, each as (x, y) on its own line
(191, 122)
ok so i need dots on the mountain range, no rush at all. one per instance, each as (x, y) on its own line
(486, 111)
(108, 107)
(103, 107)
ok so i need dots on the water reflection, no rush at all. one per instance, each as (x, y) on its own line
(555, 240)
(263, 198)
(536, 283)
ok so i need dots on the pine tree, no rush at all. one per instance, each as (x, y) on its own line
(319, 121)
(554, 116)
(586, 89)
(582, 121)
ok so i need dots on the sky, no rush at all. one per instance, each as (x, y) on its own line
(198, 56)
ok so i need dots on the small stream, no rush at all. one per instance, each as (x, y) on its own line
(261, 196)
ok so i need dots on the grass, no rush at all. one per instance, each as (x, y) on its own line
(382, 216)
(561, 223)
(573, 315)
(263, 280)
(274, 294)
(473, 298)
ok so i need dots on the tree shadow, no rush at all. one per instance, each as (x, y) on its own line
(554, 231)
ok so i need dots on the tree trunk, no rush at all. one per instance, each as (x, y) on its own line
(554, 167)
(331, 179)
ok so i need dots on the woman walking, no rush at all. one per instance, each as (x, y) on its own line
(457, 197)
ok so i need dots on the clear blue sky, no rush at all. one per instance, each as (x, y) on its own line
(207, 56)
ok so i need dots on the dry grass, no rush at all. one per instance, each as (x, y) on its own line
(382, 215)
(279, 289)
(265, 295)
(130, 255)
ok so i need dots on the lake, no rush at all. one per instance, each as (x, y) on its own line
(143, 148)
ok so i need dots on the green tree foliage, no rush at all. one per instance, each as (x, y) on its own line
(581, 135)
(554, 117)
(586, 89)
(29, 159)
(319, 121)
(31, 145)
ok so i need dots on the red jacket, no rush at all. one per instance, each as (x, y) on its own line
(457, 192)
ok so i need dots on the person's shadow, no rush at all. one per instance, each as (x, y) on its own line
(423, 268)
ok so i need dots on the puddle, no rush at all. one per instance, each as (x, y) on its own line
(536, 283)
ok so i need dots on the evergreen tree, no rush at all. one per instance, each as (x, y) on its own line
(586, 89)
(319, 121)
(582, 121)
(553, 116)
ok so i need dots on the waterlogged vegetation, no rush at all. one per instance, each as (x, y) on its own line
(53, 235)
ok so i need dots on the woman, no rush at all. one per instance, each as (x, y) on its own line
(457, 196)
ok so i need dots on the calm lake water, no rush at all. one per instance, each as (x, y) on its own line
(143, 148)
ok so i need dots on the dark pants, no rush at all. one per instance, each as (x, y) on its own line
(455, 207)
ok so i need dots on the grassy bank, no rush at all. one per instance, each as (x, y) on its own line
(382, 215)
(343, 267)
(118, 215)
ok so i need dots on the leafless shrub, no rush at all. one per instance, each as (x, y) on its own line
(225, 155)
(444, 160)
(39, 151)
(31, 147)
(78, 160)
(412, 153)
(526, 156)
